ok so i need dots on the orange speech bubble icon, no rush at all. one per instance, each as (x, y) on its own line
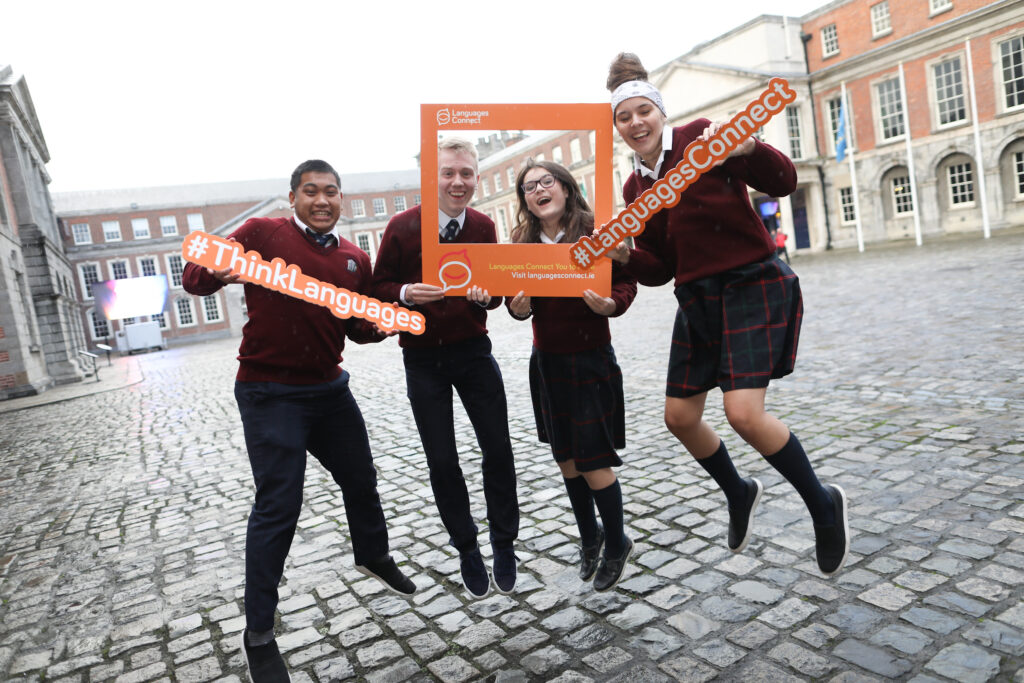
(454, 270)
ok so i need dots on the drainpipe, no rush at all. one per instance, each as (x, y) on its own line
(804, 37)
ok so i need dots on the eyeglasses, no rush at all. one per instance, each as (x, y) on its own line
(530, 186)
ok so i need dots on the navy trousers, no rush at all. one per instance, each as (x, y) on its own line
(281, 423)
(469, 368)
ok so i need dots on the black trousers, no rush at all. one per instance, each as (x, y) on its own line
(469, 368)
(281, 423)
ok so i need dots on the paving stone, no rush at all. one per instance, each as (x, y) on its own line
(524, 640)
(588, 637)
(755, 591)
(854, 618)
(669, 597)
(427, 645)
(479, 636)
(888, 597)
(656, 643)
(788, 613)
(719, 652)
(752, 635)
(1013, 616)
(931, 620)
(692, 625)
(687, 669)
(635, 615)
(801, 659)
(337, 668)
(640, 674)
(958, 603)
(453, 669)
(967, 663)
(871, 658)
(992, 634)
(608, 659)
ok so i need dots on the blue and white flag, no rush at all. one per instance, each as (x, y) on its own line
(841, 132)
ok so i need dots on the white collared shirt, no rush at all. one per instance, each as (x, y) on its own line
(443, 219)
(666, 147)
(544, 239)
(304, 227)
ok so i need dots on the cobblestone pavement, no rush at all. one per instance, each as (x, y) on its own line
(124, 514)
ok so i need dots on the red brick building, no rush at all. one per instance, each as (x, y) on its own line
(968, 170)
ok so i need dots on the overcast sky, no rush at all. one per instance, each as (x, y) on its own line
(137, 94)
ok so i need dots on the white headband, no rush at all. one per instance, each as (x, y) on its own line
(637, 89)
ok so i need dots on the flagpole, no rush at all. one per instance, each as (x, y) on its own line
(983, 196)
(844, 109)
(910, 157)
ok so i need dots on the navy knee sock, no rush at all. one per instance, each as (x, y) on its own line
(582, 502)
(719, 466)
(609, 504)
(792, 463)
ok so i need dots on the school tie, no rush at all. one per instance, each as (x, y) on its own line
(323, 239)
(450, 230)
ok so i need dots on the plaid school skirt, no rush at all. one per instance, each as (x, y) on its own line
(735, 330)
(579, 407)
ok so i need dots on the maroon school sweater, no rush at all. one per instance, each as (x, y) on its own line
(713, 228)
(288, 340)
(399, 262)
(566, 324)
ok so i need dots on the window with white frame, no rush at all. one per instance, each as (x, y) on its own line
(497, 182)
(510, 174)
(81, 233)
(539, 157)
(140, 228)
(363, 241)
(211, 309)
(834, 112)
(380, 208)
(99, 326)
(890, 109)
(486, 187)
(829, 41)
(793, 128)
(147, 266)
(195, 222)
(174, 269)
(1018, 172)
(358, 208)
(846, 204)
(937, 6)
(575, 151)
(961, 184)
(185, 311)
(399, 203)
(949, 92)
(118, 270)
(502, 225)
(161, 319)
(111, 231)
(902, 199)
(416, 200)
(168, 226)
(125, 322)
(1011, 54)
(881, 23)
(556, 154)
(90, 274)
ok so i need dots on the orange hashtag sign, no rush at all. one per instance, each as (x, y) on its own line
(218, 253)
(698, 158)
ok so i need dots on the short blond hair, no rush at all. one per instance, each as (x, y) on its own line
(456, 144)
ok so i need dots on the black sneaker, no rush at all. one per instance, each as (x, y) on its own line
(832, 542)
(474, 573)
(504, 570)
(741, 520)
(610, 570)
(388, 573)
(264, 662)
(590, 555)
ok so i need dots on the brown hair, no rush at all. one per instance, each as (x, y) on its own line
(577, 220)
(624, 68)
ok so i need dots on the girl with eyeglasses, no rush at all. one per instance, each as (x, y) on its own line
(740, 307)
(575, 381)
